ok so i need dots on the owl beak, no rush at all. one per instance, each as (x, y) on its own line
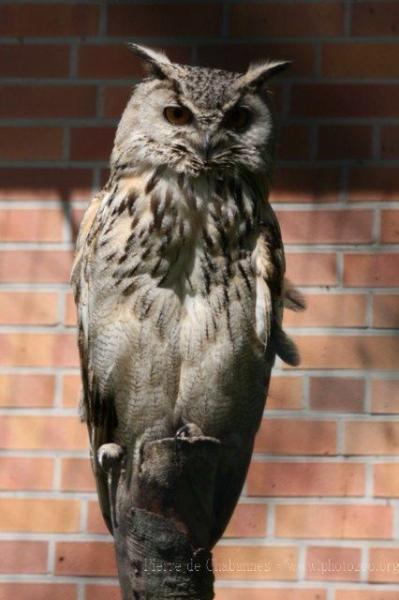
(206, 147)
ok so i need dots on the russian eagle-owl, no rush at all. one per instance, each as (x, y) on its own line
(179, 272)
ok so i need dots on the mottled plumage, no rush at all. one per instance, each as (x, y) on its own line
(179, 272)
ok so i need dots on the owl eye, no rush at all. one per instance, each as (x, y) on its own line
(177, 115)
(238, 118)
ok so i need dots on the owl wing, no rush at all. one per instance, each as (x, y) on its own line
(80, 285)
(273, 291)
(94, 410)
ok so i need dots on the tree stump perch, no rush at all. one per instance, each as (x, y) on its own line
(163, 517)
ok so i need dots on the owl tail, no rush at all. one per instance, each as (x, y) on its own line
(285, 348)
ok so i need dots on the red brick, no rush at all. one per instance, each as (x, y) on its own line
(306, 184)
(375, 18)
(312, 268)
(18, 225)
(293, 143)
(53, 20)
(27, 60)
(36, 266)
(336, 394)
(276, 96)
(248, 520)
(390, 142)
(293, 19)
(23, 557)
(38, 350)
(38, 591)
(92, 143)
(385, 310)
(108, 62)
(330, 310)
(45, 184)
(20, 473)
(76, 218)
(237, 57)
(154, 20)
(385, 396)
(348, 352)
(333, 564)
(334, 521)
(285, 393)
(26, 390)
(42, 433)
(70, 311)
(39, 515)
(28, 308)
(76, 475)
(305, 479)
(71, 390)
(115, 100)
(374, 270)
(267, 594)
(294, 436)
(383, 565)
(255, 563)
(380, 594)
(102, 592)
(373, 184)
(326, 227)
(386, 480)
(47, 101)
(85, 558)
(337, 100)
(95, 521)
(30, 143)
(117, 62)
(338, 142)
(372, 437)
(390, 226)
(104, 176)
(354, 60)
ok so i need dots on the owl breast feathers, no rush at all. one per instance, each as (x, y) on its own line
(179, 270)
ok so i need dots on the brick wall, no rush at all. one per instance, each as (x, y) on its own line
(322, 497)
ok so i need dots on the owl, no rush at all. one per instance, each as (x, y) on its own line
(179, 272)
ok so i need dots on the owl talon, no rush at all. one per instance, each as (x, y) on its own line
(109, 455)
(188, 431)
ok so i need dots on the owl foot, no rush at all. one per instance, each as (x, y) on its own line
(109, 455)
(189, 430)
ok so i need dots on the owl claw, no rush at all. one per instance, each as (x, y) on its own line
(188, 431)
(108, 455)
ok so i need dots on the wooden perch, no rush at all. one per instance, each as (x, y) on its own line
(163, 517)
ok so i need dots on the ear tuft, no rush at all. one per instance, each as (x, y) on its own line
(258, 73)
(155, 62)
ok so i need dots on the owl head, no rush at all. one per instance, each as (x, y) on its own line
(195, 120)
